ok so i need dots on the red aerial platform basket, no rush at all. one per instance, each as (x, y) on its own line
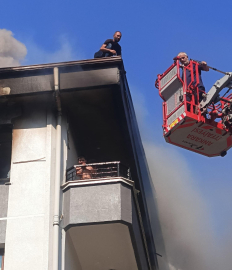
(184, 123)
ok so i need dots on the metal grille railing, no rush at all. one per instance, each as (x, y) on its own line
(98, 170)
(175, 115)
(170, 75)
(175, 100)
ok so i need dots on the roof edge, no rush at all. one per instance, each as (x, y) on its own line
(95, 61)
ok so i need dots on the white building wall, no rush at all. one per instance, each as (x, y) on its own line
(29, 207)
(51, 154)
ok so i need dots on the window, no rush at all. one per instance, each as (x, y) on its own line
(5, 150)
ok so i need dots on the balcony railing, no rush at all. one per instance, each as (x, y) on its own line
(98, 170)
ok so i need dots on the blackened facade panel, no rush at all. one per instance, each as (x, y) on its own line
(89, 78)
(28, 84)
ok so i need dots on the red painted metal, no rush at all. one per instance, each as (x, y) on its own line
(190, 91)
(186, 126)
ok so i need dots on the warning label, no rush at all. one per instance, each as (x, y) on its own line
(206, 134)
(200, 140)
(201, 136)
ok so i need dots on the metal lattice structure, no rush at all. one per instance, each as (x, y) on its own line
(98, 170)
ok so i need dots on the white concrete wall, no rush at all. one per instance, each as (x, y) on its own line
(29, 216)
(51, 154)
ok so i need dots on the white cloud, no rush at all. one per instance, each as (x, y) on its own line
(12, 51)
(15, 53)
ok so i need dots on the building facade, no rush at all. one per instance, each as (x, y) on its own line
(50, 218)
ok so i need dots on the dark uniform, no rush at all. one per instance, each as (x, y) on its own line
(200, 85)
(112, 45)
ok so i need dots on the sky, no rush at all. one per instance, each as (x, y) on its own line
(153, 32)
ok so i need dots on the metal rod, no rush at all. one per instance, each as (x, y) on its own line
(215, 69)
(226, 73)
(101, 163)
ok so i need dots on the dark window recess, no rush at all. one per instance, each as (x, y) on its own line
(5, 150)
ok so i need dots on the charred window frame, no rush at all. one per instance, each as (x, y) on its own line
(2, 251)
(5, 151)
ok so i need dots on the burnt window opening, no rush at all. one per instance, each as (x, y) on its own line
(5, 151)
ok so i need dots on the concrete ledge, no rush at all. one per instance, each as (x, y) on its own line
(106, 201)
(97, 201)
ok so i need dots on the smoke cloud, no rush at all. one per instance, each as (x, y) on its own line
(64, 52)
(12, 51)
(185, 222)
(190, 241)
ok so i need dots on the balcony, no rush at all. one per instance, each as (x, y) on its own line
(99, 171)
(102, 217)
